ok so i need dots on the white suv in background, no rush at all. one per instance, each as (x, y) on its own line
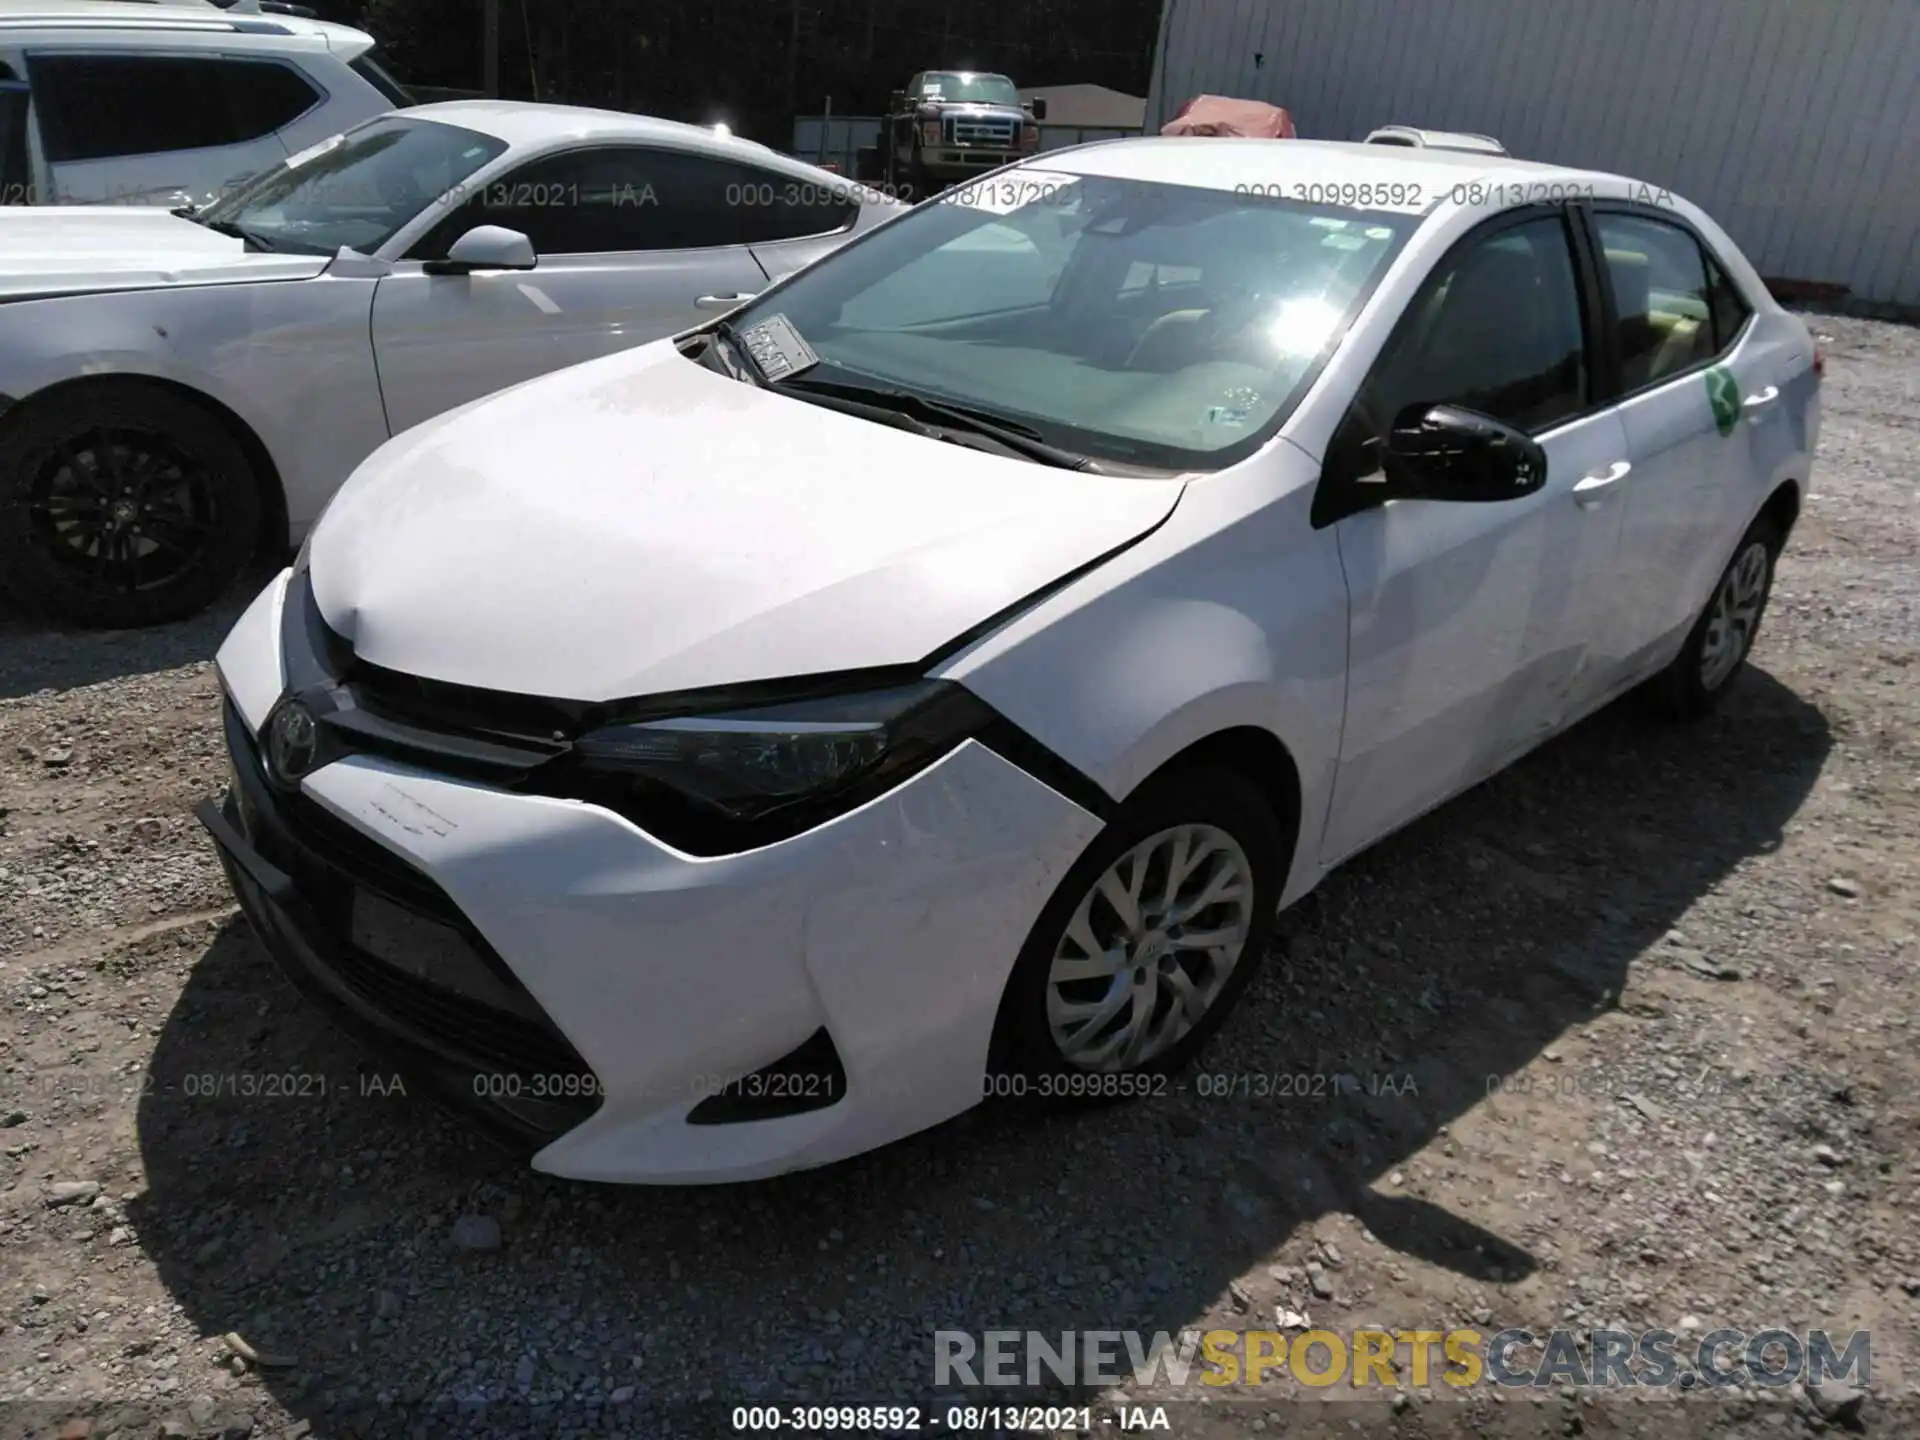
(107, 102)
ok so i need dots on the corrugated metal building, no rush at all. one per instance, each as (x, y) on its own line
(1795, 123)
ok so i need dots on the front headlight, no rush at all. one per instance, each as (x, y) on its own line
(715, 784)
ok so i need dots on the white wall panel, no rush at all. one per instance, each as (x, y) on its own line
(1795, 123)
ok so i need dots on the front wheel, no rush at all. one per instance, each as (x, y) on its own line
(1722, 637)
(122, 504)
(1147, 943)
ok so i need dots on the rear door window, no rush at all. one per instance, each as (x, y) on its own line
(97, 106)
(1730, 309)
(1663, 312)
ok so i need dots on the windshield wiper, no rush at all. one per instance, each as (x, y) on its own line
(945, 415)
(235, 229)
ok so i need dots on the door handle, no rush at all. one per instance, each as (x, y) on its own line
(1592, 489)
(1760, 402)
(722, 302)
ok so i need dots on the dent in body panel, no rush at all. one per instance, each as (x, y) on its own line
(1218, 620)
(625, 943)
(292, 359)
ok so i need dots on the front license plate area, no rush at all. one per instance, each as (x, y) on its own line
(426, 950)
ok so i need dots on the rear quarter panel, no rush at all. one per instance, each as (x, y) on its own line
(1783, 347)
(293, 360)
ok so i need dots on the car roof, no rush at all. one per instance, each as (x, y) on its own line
(529, 122)
(135, 15)
(1303, 168)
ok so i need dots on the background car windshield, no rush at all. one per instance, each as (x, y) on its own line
(360, 188)
(1149, 324)
(980, 89)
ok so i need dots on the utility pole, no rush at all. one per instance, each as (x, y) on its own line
(793, 65)
(490, 47)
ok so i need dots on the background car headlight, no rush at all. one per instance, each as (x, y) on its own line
(713, 784)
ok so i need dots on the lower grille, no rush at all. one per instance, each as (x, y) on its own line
(480, 1052)
(503, 1042)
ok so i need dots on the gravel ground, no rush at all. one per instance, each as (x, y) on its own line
(1627, 1035)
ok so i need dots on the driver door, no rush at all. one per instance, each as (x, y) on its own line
(634, 244)
(1470, 623)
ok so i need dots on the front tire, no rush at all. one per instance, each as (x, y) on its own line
(1146, 945)
(1722, 637)
(122, 504)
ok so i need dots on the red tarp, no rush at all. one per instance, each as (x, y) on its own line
(1219, 115)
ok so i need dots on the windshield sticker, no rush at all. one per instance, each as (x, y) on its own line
(1379, 232)
(1015, 190)
(777, 349)
(1236, 409)
(1326, 222)
(314, 152)
(1723, 397)
(1345, 242)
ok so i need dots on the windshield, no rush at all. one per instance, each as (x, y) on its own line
(965, 85)
(1148, 324)
(358, 189)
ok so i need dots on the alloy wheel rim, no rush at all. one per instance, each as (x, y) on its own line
(1149, 948)
(121, 511)
(1735, 615)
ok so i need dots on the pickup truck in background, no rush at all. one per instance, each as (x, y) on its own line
(949, 124)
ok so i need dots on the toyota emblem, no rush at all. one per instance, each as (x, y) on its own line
(293, 740)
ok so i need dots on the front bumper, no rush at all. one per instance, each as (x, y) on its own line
(661, 977)
(970, 161)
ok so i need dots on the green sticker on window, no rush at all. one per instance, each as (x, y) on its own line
(1723, 395)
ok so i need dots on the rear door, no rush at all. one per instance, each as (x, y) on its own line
(130, 126)
(1700, 400)
(634, 242)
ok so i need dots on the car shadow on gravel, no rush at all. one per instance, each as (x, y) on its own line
(36, 655)
(317, 1220)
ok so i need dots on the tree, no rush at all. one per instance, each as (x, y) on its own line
(705, 60)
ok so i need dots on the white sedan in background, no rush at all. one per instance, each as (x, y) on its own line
(929, 682)
(179, 390)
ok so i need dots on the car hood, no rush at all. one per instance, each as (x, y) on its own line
(640, 524)
(78, 249)
(974, 107)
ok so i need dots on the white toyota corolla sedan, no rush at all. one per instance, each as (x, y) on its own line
(179, 389)
(928, 681)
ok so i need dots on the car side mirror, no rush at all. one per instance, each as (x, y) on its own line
(1039, 109)
(486, 247)
(1445, 452)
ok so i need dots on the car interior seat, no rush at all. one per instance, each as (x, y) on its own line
(1653, 342)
